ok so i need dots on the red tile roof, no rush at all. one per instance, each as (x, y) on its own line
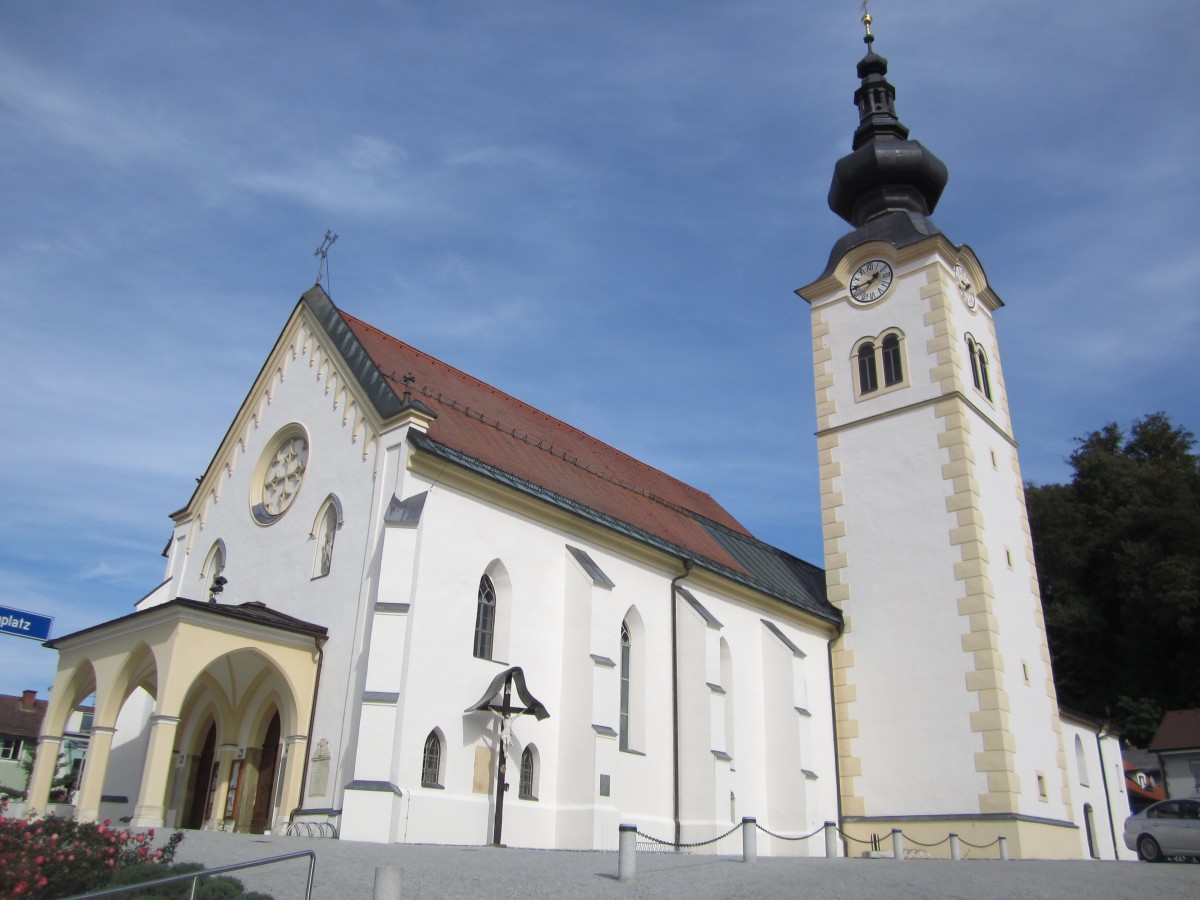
(16, 721)
(488, 425)
(1179, 730)
(1149, 794)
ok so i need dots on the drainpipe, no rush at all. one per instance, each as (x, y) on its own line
(312, 719)
(687, 568)
(837, 771)
(1112, 826)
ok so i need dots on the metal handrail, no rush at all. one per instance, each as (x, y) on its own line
(194, 877)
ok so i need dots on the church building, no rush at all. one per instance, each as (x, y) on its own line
(404, 606)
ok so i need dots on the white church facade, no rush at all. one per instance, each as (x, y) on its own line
(383, 544)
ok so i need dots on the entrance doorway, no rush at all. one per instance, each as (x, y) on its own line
(204, 784)
(260, 818)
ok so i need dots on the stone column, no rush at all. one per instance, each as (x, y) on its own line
(45, 765)
(87, 800)
(226, 754)
(149, 811)
(293, 771)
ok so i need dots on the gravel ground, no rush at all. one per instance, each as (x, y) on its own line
(346, 869)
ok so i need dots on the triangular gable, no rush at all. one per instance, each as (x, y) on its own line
(316, 335)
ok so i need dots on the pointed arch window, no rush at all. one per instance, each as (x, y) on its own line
(214, 565)
(626, 666)
(431, 761)
(633, 683)
(329, 520)
(529, 773)
(485, 618)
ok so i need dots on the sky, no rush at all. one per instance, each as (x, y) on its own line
(601, 208)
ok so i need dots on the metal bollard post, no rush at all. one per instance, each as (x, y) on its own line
(627, 853)
(831, 840)
(749, 839)
(955, 850)
(1003, 847)
(387, 883)
(897, 843)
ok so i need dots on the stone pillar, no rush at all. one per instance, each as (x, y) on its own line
(293, 771)
(45, 765)
(225, 754)
(87, 800)
(149, 811)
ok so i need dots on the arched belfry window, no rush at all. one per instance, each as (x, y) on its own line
(881, 354)
(431, 761)
(868, 377)
(979, 367)
(485, 618)
(893, 367)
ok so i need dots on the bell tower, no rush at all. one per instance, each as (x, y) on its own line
(946, 713)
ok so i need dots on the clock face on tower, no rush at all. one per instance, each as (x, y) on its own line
(870, 281)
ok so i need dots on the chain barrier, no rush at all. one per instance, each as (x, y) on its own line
(978, 846)
(921, 844)
(851, 837)
(683, 846)
(782, 837)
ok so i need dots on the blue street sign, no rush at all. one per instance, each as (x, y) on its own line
(25, 624)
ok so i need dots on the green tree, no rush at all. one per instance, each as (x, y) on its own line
(1118, 552)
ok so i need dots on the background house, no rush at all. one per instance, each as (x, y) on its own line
(1177, 745)
(20, 722)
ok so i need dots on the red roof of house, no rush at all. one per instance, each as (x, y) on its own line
(1179, 730)
(17, 721)
(488, 425)
(1149, 794)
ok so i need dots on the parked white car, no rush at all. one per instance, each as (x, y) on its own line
(1168, 828)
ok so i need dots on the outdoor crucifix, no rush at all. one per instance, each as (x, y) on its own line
(501, 690)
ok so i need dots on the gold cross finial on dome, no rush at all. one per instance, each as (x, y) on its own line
(867, 20)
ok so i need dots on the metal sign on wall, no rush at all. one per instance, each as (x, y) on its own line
(25, 624)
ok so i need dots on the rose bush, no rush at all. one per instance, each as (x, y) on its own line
(55, 857)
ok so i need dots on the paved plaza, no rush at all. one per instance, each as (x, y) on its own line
(346, 869)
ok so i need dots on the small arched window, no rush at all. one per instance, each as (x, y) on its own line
(485, 618)
(214, 565)
(325, 532)
(868, 378)
(431, 761)
(529, 773)
(1081, 762)
(893, 367)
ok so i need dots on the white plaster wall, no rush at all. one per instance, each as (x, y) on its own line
(123, 777)
(912, 708)
(1032, 709)
(849, 322)
(274, 564)
(1177, 773)
(1101, 783)
(554, 611)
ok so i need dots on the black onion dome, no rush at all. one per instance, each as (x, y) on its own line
(885, 172)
